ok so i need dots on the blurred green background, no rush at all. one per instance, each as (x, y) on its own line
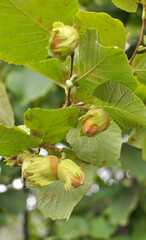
(115, 205)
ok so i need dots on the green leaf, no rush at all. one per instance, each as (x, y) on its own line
(121, 238)
(26, 26)
(73, 229)
(138, 227)
(127, 109)
(13, 141)
(13, 201)
(57, 203)
(102, 150)
(111, 31)
(78, 94)
(53, 69)
(101, 228)
(131, 161)
(27, 85)
(139, 67)
(7, 173)
(138, 139)
(6, 113)
(144, 149)
(127, 5)
(51, 125)
(122, 206)
(140, 91)
(95, 64)
(137, 136)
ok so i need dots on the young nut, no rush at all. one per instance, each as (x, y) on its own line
(95, 121)
(40, 170)
(63, 40)
(70, 174)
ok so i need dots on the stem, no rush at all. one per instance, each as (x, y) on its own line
(54, 148)
(68, 100)
(142, 33)
(82, 107)
(25, 218)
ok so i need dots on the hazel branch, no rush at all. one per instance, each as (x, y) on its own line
(54, 148)
(68, 100)
(142, 32)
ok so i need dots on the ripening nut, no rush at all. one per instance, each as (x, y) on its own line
(63, 40)
(40, 170)
(70, 174)
(95, 121)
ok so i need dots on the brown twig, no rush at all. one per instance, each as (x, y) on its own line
(68, 100)
(139, 42)
(52, 148)
(82, 107)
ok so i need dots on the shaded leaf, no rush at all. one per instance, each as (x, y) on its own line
(27, 85)
(127, 109)
(76, 227)
(13, 201)
(121, 238)
(13, 141)
(26, 26)
(53, 69)
(144, 149)
(111, 31)
(100, 150)
(57, 203)
(131, 160)
(101, 228)
(95, 64)
(51, 125)
(122, 206)
(8, 174)
(6, 113)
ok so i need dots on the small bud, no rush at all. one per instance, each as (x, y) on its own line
(70, 174)
(40, 170)
(95, 121)
(63, 40)
(69, 83)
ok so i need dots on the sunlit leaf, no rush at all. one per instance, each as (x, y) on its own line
(6, 113)
(26, 25)
(51, 125)
(126, 108)
(139, 67)
(129, 6)
(111, 31)
(102, 150)
(95, 64)
(13, 141)
(57, 203)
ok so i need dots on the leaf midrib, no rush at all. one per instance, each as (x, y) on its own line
(88, 72)
(118, 109)
(33, 19)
